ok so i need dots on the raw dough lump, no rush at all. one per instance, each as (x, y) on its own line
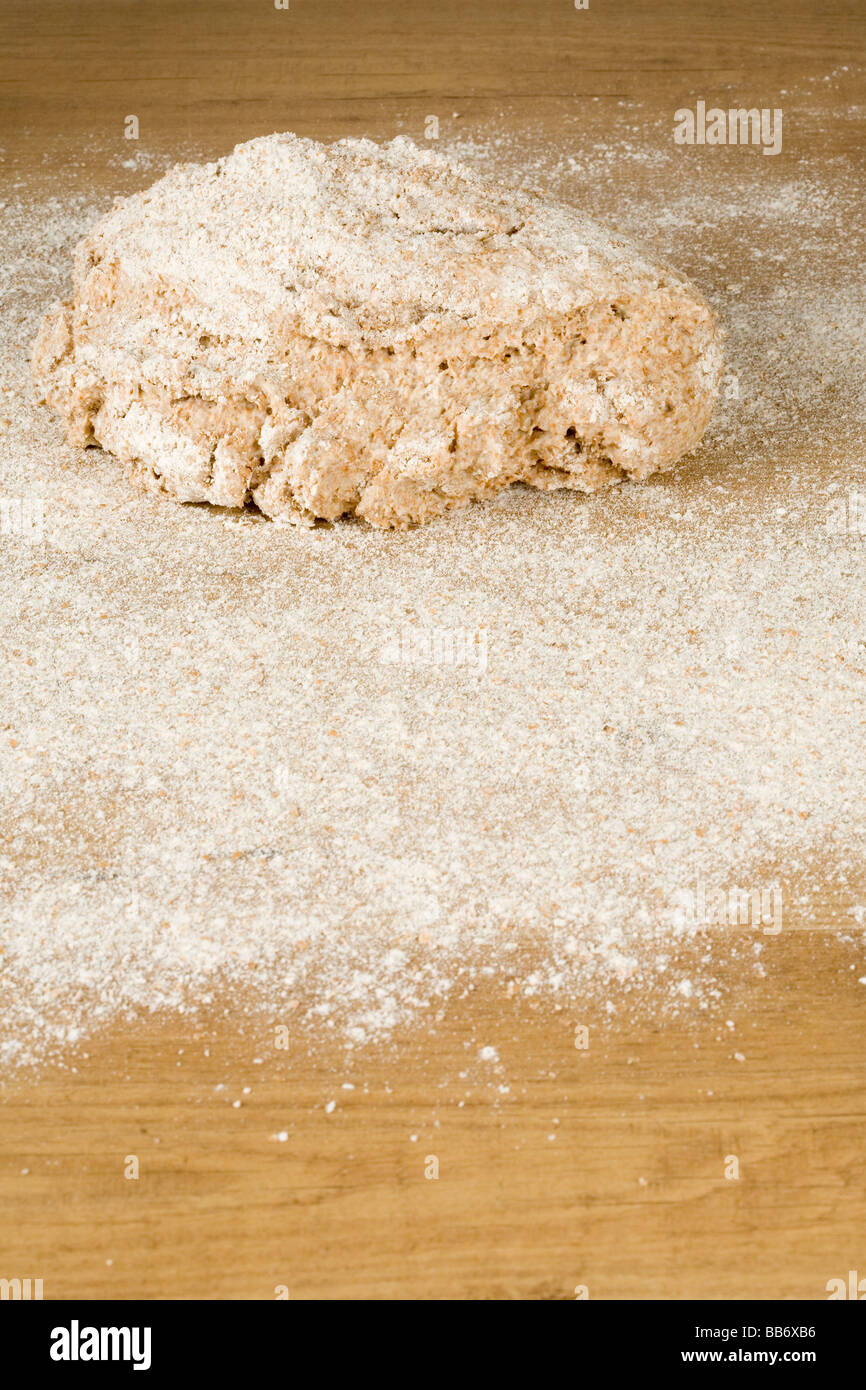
(377, 330)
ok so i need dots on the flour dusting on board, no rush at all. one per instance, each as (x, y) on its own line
(548, 740)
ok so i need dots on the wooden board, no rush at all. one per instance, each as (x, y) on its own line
(558, 1168)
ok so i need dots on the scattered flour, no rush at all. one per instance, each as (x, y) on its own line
(249, 766)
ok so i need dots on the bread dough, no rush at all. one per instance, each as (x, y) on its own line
(377, 330)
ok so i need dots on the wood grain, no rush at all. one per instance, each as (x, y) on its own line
(629, 1199)
(557, 1167)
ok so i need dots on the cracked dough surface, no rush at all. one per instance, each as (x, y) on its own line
(377, 330)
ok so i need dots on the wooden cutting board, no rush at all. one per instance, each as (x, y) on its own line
(550, 1169)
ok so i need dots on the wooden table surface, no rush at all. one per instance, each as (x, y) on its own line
(558, 1168)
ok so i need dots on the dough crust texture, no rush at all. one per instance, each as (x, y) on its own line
(372, 330)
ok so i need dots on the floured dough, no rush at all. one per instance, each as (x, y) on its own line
(354, 328)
